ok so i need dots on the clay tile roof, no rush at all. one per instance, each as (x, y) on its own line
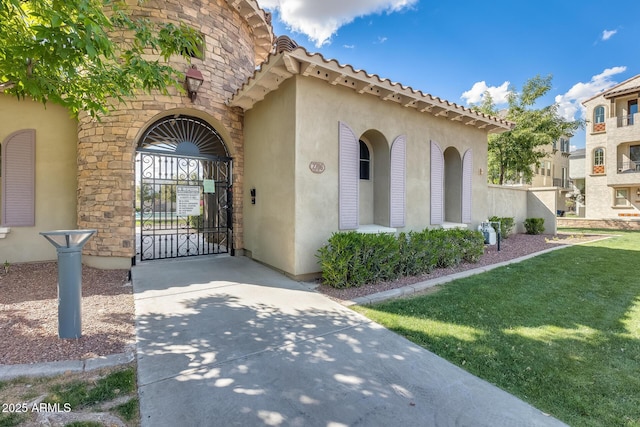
(621, 92)
(290, 60)
(616, 90)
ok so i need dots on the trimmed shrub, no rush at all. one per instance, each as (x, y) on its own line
(456, 245)
(534, 225)
(353, 259)
(417, 254)
(471, 245)
(506, 225)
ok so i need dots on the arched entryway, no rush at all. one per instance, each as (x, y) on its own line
(183, 190)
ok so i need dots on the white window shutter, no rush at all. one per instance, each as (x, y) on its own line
(398, 194)
(349, 178)
(19, 179)
(467, 177)
(437, 184)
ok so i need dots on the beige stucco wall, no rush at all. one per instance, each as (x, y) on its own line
(270, 169)
(521, 203)
(320, 107)
(542, 203)
(508, 202)
(600, 188)
(55, 186)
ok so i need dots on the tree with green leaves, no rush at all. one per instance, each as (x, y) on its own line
(75, 53)
(514, 153)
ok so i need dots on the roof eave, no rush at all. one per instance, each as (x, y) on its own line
(284, 65)
(611, 89)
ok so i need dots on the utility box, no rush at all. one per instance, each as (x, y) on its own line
(489, 235)
(69, 244)
(489, 232)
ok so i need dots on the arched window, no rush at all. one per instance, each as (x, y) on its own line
(598, 119)
(365, 161)
(598, 157)
(598, 161)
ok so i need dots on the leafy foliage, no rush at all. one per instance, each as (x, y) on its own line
(506, 225)
(75, 53)
(512, 154)
(534, 225)
(354, 259)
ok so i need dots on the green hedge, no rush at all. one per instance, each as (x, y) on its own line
(506, 225)
(353, 259)
(534, 225)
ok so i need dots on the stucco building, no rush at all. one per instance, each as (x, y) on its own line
(280, 149)
(612, 155)
(577, 174)
(554, 170)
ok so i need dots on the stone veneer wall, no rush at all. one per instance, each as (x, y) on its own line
(106, 148)
(613, 224)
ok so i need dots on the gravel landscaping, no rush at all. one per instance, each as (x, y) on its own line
(29, 313)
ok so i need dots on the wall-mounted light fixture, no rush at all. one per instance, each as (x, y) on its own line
(194, 80)
(638, 192)
(481, 171)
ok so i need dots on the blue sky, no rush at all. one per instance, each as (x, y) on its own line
(458, 49)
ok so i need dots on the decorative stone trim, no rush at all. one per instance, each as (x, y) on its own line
(235, 32)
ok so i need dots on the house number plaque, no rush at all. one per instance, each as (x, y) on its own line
(317, 167)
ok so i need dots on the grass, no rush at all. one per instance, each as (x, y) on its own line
(83, 392)
(79, 393)
(561, 331)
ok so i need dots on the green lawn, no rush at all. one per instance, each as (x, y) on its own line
(561, 331)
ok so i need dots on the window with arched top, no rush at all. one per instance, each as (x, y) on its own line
(598, 119)
(365, 161)
(598, 161)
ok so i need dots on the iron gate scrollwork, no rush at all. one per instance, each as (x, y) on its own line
(184, 205)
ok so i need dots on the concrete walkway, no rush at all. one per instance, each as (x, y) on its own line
(226, 341)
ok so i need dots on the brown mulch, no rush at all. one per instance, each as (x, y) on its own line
(29, 314)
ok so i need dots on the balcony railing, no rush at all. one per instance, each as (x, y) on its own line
(625, 121)
(629, 166)
(562, 183)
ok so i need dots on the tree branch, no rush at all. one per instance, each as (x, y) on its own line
(6, 85)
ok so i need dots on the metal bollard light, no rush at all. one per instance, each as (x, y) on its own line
(69, 244)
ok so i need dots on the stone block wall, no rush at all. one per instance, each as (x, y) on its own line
(107, 148)
(612, 224)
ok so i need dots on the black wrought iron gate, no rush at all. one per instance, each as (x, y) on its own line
(185, 205)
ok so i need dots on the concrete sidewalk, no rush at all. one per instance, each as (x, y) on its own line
(226, 341)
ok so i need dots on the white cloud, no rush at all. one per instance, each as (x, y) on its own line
(475, 95)
(607, 34)
(570, 103)
(321, 19)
